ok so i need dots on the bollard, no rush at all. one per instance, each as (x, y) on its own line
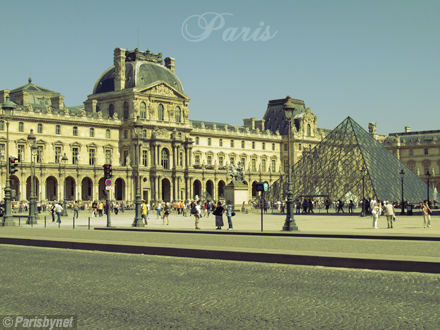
(19, 221)
(32, 221)
(73, 222)
(44, 221)
(59, 223)
(89, 223)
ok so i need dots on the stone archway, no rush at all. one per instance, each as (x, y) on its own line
(254, 189)
(29, 185)
(15, 185)
(120, 189)
(221, 189)
(166, 190)
(70, 189)
(87, 189)
(197, 189)
(51, 189)
(210, 188)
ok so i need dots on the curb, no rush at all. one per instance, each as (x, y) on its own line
(282, 258)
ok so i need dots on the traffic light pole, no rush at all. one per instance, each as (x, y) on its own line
(8, 218)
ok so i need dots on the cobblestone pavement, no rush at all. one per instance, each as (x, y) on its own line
(123, 291)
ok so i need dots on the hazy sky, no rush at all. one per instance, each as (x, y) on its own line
(376, 61)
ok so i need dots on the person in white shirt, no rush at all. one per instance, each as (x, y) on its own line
(198, 214)
(58, 210)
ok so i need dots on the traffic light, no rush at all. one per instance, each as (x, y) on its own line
(107, 171)
(13, 162)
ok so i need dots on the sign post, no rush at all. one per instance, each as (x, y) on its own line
(108, 186)
(262, 187)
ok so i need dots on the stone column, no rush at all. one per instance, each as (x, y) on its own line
(190, 188)
(159, 188)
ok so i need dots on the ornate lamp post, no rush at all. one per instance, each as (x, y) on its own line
(402, 174)
(428, 176)
(32, 204)
(64, 160)
(137, 217)
(7, 113)
(289, 224)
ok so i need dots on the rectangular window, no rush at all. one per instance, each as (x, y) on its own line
(108, 156)
(39, 154)
(209, 160)
(263, 146)
(21, 153)
(273, 146)
(92, 156)
(253, 145)
(2, 152)
(124, 161)
(243, 162)
(232, 161)
(285, 147)
(286, 166)
(411, 152)
(220, 143)
(197, 160)
(232, 143)
(220, 161)
(242, 144)
(299, 147)
(75, 155)
(263, 165)
(145, 157)
(426, 151)
(57, 155)
(181, 159)
(273, 166)
(254, 165)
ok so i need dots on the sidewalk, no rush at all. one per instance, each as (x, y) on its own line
(326, 240)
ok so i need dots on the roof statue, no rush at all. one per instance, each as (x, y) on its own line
(236, 173)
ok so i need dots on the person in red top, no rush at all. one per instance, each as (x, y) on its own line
(426, 211)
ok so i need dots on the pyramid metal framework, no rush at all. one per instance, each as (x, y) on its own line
(349, 164)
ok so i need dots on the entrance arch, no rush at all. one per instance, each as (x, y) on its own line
(120, 189)
(254, 189)
(197, 189)
(221, 189)
(70, 186)
(166, 190)
(101, 189)
(15, 185)
(51, 189)
(87, 189)
(210, 188)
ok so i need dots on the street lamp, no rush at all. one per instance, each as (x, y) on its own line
(289, 224)
(402, 174)
(137, 217)
(64, 160)
(7, 113)
(32, 204)
(428, 176)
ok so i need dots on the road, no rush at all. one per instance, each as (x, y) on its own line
(124, 291)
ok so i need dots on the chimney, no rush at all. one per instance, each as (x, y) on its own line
(170, 63)
(407, 129)
(57, 102)
(249, 123)
(119, 62)
(3, 95)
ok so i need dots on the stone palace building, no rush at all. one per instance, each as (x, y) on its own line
(177, 158)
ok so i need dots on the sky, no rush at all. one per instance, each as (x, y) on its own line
(375, 60)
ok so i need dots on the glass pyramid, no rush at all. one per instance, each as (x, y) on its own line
(349, 164)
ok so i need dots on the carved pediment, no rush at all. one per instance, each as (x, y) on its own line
(160, 132)
(162, 89)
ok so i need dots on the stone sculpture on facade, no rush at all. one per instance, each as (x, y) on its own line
(236, 174)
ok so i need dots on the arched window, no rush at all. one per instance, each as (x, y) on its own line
(57, 130)
(164, 158)
(75, 131)
(40, 128)
(20, 127)
(178, 114)
(309, 130)
(209, 141)
(92, 132)
(197, 140)
(111, 110)
(143, 110)
(125, 110)
(160, 112)
(107, 134)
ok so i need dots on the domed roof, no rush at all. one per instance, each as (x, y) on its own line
(138, 74)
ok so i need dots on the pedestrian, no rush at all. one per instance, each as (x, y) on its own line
(58, 210)
(100, 208)
(197, 214)
(389, 213)
(350, 206)
(426, 211)
(148, 209)
(75, 209)
(116, 208)
(52, 211)
(208, 208)
(166, 213)
(229, 213)
(375, 213)
(311, 205)
(122, 206)
(94, 209)
(158, 210)
(144, 212)
(185, 206)
(218, 212)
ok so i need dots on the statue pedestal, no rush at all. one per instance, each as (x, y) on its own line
(237, 194)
